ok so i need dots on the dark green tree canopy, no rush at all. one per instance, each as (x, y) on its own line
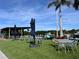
(58, 3)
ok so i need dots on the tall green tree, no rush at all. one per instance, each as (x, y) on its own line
(58, 4)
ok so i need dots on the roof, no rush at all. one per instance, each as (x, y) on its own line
(16, 27)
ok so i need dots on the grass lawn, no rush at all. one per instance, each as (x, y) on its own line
(20, 50)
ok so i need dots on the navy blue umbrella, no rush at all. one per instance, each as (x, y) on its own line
(32, 24)
(15, 31)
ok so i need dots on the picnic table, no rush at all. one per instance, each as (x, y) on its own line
(65, 43)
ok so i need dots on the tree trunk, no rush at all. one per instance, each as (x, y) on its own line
(56, 24)
(60, 19)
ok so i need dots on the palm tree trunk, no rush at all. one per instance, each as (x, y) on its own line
(56, 24)
(60, 19)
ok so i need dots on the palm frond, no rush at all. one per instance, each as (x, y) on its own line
(68, 3)
(58, 3)
(65, 2)
(50, 4)
(76, 4)
(57, 6)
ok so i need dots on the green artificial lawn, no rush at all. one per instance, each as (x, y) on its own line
(20, 50)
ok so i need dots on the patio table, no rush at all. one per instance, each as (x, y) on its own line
(64, 43)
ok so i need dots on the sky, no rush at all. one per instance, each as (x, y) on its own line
(20, 12)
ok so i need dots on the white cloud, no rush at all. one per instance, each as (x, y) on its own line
(45, 18)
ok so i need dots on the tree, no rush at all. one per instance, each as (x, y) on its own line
(58, 4)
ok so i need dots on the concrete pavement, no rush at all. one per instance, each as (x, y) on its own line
(2, 55)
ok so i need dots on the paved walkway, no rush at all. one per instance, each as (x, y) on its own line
(2, 55)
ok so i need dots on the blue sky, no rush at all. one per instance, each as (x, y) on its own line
(20, 12)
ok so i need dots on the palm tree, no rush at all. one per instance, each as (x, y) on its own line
(58, 4)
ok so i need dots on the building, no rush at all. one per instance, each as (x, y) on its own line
(13, 32)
